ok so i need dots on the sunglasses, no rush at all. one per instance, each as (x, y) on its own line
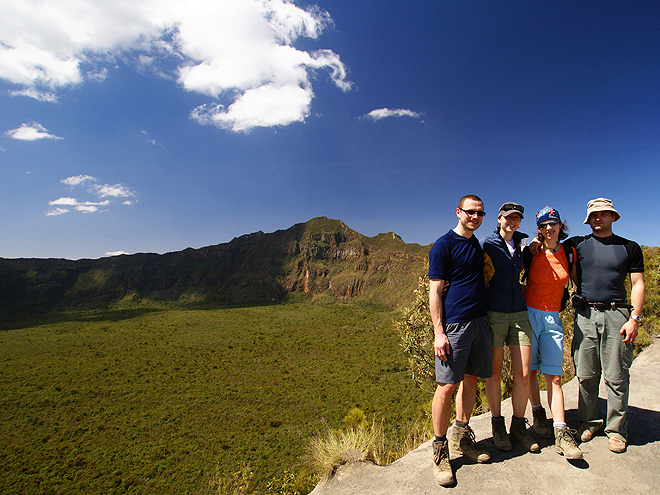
(511, 206)
(548, 224)
(479, 213)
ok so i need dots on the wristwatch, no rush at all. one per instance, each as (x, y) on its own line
(637, 318)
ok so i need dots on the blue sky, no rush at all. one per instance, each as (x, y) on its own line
(152, 126)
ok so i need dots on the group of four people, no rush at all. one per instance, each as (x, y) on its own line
(477, 305)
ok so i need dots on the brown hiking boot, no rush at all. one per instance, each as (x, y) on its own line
(462, 441)
(500, 436)
(588, 430)
(441, 468)
(565, 443)
(616, 443)
(519, 432)
(541, 427)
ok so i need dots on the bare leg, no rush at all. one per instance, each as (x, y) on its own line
(534, 392)
(466, 398)
(441, 408)
(521, 358)
(493, 384)
(556, 398)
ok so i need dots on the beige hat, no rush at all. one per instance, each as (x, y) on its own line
(601, 204)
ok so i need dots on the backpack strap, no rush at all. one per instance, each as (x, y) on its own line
(527, 262)
(571, 254)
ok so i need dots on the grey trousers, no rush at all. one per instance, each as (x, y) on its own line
(597, 349)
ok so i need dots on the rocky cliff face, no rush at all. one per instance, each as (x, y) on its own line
(318, 257)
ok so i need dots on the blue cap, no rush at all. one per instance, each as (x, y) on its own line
(547, 214)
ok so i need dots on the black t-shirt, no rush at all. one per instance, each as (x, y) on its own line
(603, 263)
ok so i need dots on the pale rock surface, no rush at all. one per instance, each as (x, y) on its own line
(517, 472)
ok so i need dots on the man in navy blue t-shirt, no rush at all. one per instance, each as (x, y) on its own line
(463, 349)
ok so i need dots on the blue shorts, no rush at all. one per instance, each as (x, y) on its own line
(547, 342)
(470, 352)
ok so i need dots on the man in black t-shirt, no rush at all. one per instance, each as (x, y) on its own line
(605, 324)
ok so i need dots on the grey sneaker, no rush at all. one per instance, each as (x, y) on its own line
(441, 468)
(565, 443)
(588, 430)
(500, 436)
(519, 432)
(541, 427)
(462, 441)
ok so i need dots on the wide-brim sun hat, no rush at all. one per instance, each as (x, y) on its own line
(601, 204)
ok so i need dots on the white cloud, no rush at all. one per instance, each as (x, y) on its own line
(266, 106)
(31, 132)
(116, 191)
(115, 253)
(64, 202)
(91, 187)
(77, 180)
(56, 212)
(35, 94)
(383, 113)
(86, 208)
(238, 52)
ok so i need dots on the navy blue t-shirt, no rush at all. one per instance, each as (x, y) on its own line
(460, 262)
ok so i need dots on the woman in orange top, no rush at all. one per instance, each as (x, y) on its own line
(547, 277)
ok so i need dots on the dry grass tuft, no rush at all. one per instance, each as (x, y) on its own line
(359, 443)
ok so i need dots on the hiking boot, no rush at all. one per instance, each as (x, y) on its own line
(565, 443)
(500, 437)
(441, 468)
(541, 427)
(587, 430)
(462, 441)
(616, 443)
(519, 432)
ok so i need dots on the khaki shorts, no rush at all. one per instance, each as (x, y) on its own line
(512, 328)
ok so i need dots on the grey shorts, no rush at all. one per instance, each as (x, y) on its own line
(470, 352)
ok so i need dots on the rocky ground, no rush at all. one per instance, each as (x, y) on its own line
(518, 472)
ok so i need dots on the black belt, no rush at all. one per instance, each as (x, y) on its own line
(602, 306)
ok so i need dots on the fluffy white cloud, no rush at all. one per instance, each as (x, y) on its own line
(383, 113)
(240, 52)
(265, 106)
(30, 132)
(91, 187)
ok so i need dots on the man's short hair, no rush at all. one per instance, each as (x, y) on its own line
(469, 196)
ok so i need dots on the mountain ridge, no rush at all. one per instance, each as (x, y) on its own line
(322, 257)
